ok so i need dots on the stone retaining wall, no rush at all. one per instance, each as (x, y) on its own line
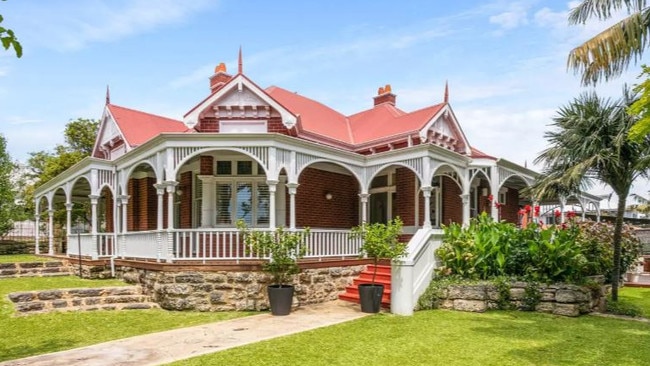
(105, 298)
(240, 291)
(561, 299)
(34, 269)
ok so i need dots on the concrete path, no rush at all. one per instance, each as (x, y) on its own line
(174, 345)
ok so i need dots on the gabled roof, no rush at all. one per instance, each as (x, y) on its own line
(138, 127)
(385, 120)
(314, 117)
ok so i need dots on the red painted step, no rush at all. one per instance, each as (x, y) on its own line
(383, 277)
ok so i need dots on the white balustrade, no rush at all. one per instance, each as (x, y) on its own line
(81, 241)
(207, 244)
(140, 244)
(332, 243)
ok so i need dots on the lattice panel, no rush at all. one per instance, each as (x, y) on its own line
(302, 160)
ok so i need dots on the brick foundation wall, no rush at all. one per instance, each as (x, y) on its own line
(314, 210)
(452, 204)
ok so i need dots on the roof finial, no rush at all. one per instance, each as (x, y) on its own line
(446, 91)
(108, 95)
(240, 63)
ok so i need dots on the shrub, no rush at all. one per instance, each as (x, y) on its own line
(595, 240)
(623, 308)
(486, 249)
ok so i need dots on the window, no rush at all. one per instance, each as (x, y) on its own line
(224, 203)
(244, 168)
(224, 167)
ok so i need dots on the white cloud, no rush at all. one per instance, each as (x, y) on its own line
(102, 21)
(514, 17)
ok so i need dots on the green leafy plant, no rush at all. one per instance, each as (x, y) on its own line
(623, 308)
(532, 296)
(283, 248)
(380, 241)
(502, 285)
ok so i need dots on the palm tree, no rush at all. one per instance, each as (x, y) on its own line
(609, 53)
(589, 143)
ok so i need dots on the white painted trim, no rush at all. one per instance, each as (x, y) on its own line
(191, 119)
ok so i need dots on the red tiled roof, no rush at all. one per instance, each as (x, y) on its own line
(386, 120)
(139, 127)
(379, 122)
(314, 116)
(478, 154)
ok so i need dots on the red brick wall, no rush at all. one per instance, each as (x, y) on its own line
(405, 196)
(132, 209)
(211, 124)
(207, 165)
(208, 124)
(510, 212)
(186, 200)
(314, 210)
(275, 126)
(452, 204)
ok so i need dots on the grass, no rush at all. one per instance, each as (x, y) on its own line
(22, 258)
(439, 337)
(637, 297)
(24, 336)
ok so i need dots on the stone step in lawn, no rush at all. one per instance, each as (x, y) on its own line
(34, 269)
(81, 299)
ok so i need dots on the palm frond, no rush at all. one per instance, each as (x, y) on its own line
(610, 52)
(602, 9)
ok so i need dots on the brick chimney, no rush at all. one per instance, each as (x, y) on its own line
(219, 78)
(385, 95)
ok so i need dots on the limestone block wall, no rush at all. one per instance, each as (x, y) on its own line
(34, 269)
(560, 299)
(239, 291)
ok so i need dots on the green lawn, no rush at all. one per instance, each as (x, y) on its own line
(15, 258)
(639, 297)
(439, 337)
(24, 336)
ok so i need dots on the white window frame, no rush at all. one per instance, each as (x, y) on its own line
(243, 126)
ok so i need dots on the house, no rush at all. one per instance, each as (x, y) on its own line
(170, 191)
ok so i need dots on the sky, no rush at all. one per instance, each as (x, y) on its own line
(504, 61)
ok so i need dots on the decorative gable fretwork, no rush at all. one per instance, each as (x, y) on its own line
(445, 133)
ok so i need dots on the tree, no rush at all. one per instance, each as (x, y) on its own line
(8, 39)
(609, 53)
(44, 165)
(589, 143)
(7, 194)
(641, 107)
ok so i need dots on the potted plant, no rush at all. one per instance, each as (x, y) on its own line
(283, 250)
(380, 241)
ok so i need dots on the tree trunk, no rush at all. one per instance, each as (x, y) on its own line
(618, 229)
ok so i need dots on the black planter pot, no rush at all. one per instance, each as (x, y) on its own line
(370, 297)
(280, 299)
